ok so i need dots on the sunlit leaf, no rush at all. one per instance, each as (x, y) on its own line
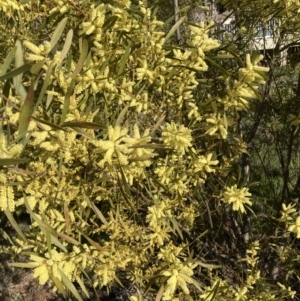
(67, 282)
(83, 124)
(16, 72)
(57, 33)
(174, 28)
(15, 224)
(13, 161)
(8, 61)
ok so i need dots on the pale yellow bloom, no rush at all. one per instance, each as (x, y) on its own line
(177, 137)
(115, 147)
(286, 211)
(237, 197)
(205, 164)
(295, 228)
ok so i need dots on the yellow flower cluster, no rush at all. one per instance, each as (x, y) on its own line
(238, 197)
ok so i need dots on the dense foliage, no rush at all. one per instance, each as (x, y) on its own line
(129, 151)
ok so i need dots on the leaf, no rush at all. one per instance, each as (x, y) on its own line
(123, 60)
(160, 293)
(48, 240)
(26, 110)
(110, 22)
(258, 96)
(121, 116)
(207, 265)
(83, 133)
(158, 124)
(176, 227)
(56, 242)
(92, 242)
(174, 28)
(26, 265)
(57, 33)
(98, 212)
(143, 157)
(78, 68)
(8, 60)
(13, 161)
(222, 70)
(59, 285)
(57, 127)
(118, 280)
(67, 46)
(15, 224)
(16, 71)
(84, 124)
(6, 89)
(150, 146)
(19, 62)
(67, 282)
(47, 228)
(213, 292)
(67, 217)
(81, 284)
(45, 85)
(35, 69)
(6, 236)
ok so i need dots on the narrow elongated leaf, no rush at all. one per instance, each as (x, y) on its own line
(67, 46)
(98, 212)
(26, 110)
(83, 133)
(47, 228)
(56, 242)
(207, 265)
(78, 68)
(46, 83)
(158, 124)
(57, 33)
(176, 227)
(15, 224)
(174, 28)
(80, 282)
(26, 265)
(84, 124)
(57, 127)
(36, 68)
(8, 61)
(6, 89)
(121, 116)
(222, 70)
(92, 242)
(67, 282)
(19, 62)
(143, 157)
(13, 161)
(150, 146)
(59, 285)
(160, 293)
(16, 71)
(67, 102)
(213, 292)
(6, 236)
(123, 60)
